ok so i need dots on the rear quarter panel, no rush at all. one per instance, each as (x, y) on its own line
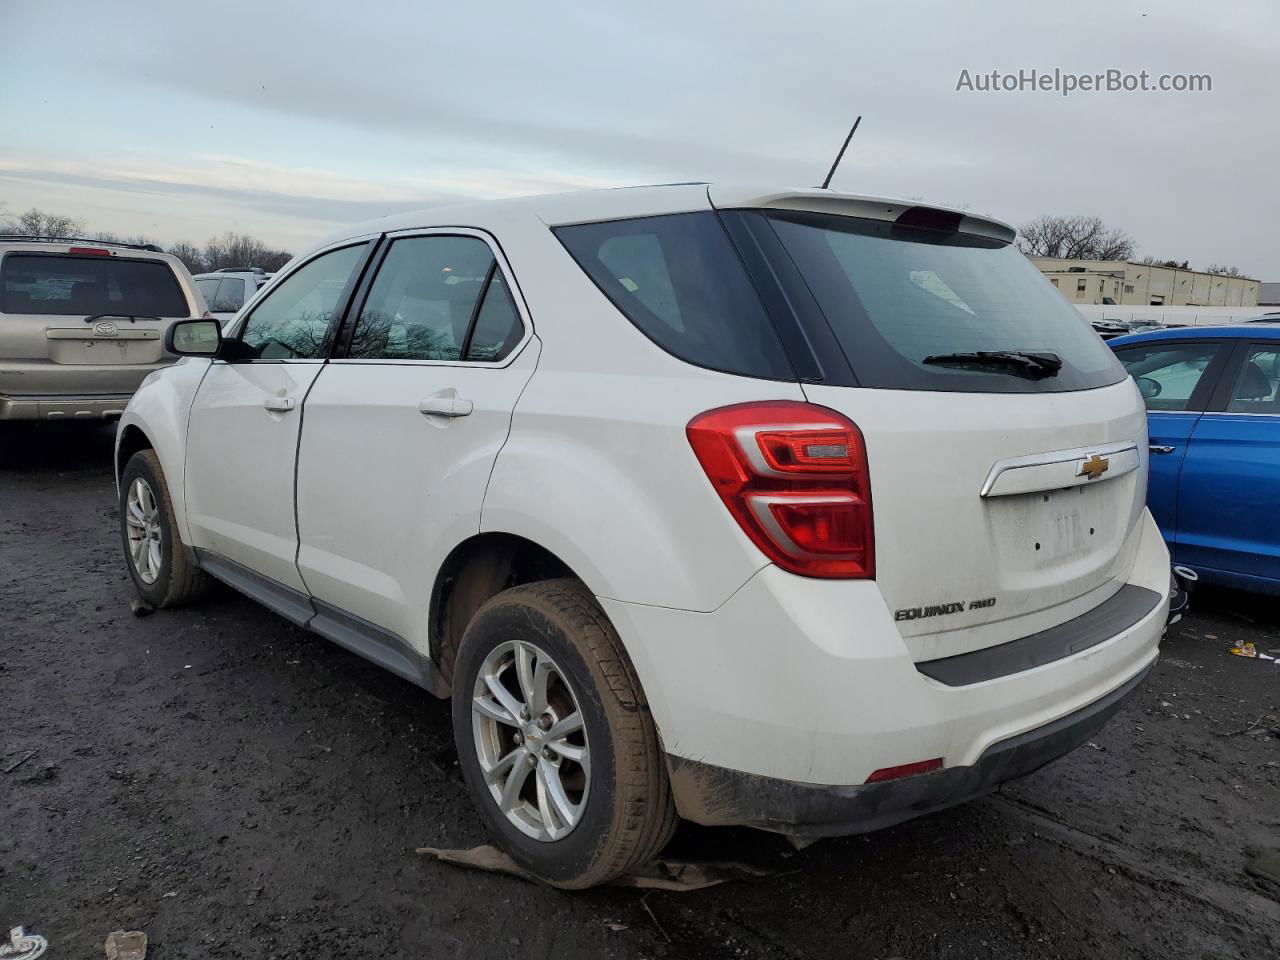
(597, 467)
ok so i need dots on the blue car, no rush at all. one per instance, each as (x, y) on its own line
(1213, 412)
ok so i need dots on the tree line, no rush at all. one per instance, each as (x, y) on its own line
(229, 250)
(1062, 237)
(1088, 238)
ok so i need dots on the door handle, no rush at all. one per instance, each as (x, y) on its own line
(446, 406)
(1160, 448)
(280, 404)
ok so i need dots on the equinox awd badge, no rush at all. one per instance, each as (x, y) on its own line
(942, 609)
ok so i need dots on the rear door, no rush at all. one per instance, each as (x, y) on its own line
(1176, 379)
(402, 427)
(1229, 497)
(89, 322)
(243, 435)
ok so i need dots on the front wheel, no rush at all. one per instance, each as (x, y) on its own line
(555, 739)
(163, 574)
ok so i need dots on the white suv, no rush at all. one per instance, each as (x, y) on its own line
(792, 509)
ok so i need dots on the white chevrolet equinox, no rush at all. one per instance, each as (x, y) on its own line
(797, 510)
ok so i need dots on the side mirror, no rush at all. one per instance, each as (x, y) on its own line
(1149, 388)
(194, 338)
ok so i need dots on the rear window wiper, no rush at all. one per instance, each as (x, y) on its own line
(1021, 363)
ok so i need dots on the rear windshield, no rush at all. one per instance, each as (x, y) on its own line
(911, 307)
(679, 280)
(84, 286)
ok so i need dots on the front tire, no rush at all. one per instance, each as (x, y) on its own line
(555, 739)
(163, 572)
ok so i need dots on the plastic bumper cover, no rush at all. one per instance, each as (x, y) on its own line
(716, 796)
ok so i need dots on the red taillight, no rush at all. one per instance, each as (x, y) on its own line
(794, 476)
(90, 251)
(905, 770)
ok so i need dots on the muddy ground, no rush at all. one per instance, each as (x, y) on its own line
(239, 788)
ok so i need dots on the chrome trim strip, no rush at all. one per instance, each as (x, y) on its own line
(1060, 456)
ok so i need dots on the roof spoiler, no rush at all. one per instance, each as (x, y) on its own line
(149, 247)
(907, 213)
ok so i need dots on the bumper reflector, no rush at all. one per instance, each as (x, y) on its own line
(905, 770)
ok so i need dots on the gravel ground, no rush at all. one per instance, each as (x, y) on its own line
(239, 788)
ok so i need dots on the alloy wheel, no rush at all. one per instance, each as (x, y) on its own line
(531, 740)
(142, 522)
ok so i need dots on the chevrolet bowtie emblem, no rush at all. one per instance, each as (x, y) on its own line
(1094, 467)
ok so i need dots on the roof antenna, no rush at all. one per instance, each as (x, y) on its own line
(840, 156)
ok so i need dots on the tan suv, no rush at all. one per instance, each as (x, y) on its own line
(82, 322)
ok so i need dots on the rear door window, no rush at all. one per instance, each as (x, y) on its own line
(1171, 375)
(425, 300)
(292, 320)
(497, 328)
(1256, 389)
(59, 284)
(208, 287)
(679, 280)
(933, 309)
(229, 296)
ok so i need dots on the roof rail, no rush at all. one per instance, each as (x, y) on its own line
(150, 247)
(240, 270)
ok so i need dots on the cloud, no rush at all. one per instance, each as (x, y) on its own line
(325, 112)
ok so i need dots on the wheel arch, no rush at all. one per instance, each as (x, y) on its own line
(130, 440)
(476, 570)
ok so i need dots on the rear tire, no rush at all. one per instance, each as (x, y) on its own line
(163, 572)
(615, 809)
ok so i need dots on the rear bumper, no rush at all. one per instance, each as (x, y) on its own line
(718, 796)
(63, 408)
(797, 690)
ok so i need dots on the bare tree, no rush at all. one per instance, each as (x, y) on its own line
(1074, 238)
(37, 223)
(229, 250)
(1223, 271)
(1176, 264)
(189, 254)
(242, 250)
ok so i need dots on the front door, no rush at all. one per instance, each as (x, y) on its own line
(402, 427)
(243, 436)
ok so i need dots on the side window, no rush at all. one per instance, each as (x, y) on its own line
(679, 280)
(208, 287)
(1256, 387)
(1169, 373)
(498, 327)
(424, 301)
(229, 297)
(291, 322)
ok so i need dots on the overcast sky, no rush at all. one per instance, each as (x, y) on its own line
(285, 120)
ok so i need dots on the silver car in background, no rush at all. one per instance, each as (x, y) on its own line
(229, 289)
(82, 322)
